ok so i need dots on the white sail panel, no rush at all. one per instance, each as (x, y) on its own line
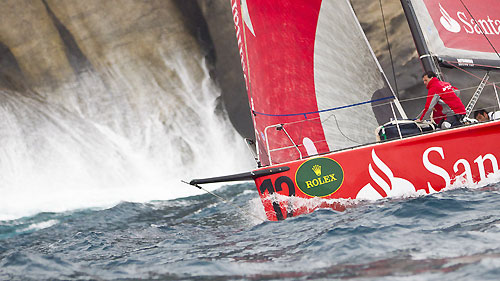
(346, 72)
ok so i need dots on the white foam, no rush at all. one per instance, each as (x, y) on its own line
(40, 225)
(97, 144)
(256, 208)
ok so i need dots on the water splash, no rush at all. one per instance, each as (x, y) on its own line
(121, 135)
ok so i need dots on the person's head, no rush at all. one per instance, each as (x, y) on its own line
(481, 115)
(427, 76)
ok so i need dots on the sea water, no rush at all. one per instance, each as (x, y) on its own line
(452, 235)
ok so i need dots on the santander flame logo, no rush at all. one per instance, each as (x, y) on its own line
(394, 187)
(448, 22)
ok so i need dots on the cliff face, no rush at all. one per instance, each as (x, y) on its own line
(53, 40)
(407, 68)
(46, 45)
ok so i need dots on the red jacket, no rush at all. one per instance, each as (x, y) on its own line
(438, 114)
(445, 92)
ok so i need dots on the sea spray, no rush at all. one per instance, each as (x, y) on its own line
(103, 142)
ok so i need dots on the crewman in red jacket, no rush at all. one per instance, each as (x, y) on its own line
(453, 108)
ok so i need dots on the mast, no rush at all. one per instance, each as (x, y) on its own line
(418, 37)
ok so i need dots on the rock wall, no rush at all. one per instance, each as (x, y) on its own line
(46, 44)
(49, 42)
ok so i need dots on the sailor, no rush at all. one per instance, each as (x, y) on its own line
(444, 92)
(482, 115)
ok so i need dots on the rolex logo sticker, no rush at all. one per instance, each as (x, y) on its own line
(319, 177)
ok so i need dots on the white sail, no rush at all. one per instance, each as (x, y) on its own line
(346, 72)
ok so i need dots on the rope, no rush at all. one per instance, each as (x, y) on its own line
(476, 64)
(389, 48)
(342, 132)
(324, 110)
(480, 28)
(472, 74)
(377, 105)
(225, 200)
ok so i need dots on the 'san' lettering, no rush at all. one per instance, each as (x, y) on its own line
(434, 168)
(480, 164)
(463, 18)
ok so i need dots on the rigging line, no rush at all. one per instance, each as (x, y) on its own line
(301, 121)
(480, 28)
(225, 200)
(473, 75)
(338, 127)
(475, 64)
(461, 89)
(389, 48)
(324, 110)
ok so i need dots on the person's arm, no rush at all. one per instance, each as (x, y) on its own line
(430, 102)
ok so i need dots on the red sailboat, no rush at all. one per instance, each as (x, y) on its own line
(321, 103)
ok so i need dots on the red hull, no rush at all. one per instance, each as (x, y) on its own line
(425, 164)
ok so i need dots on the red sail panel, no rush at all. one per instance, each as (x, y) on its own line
(276, 42)
(455, 27)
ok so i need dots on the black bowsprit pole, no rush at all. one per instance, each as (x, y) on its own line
(240, 177)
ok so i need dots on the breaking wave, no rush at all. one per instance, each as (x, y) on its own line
(96, 143)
